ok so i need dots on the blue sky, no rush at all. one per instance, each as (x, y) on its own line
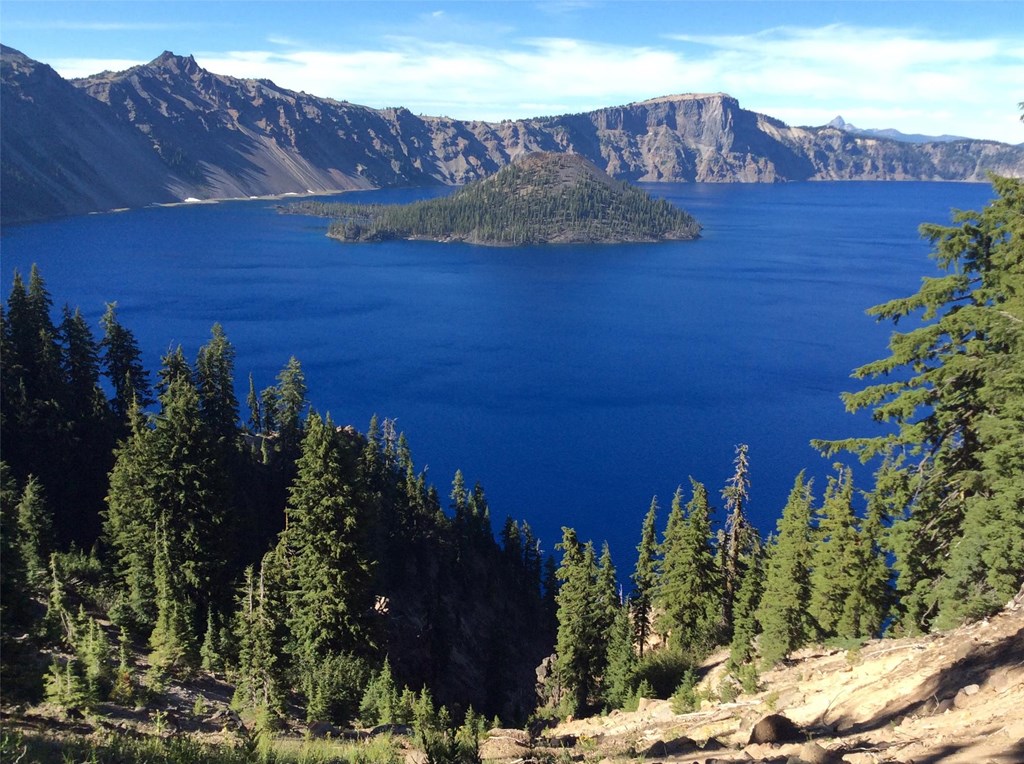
(919, 66)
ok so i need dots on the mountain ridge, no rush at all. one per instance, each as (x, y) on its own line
(181, 131)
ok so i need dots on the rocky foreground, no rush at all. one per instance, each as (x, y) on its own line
(953, 697)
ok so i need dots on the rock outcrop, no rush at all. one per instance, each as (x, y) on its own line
(170, 130)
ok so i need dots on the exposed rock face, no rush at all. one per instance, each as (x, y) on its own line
(169, 129)
(63, 154)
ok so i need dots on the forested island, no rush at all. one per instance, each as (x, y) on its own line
(214, 586)
(542, 198)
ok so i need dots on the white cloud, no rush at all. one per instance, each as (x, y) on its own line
(873, 77)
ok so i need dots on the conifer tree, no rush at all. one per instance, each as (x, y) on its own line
(326, 542)
(834, 558)
(619, 681)
(782, 616)
(81, 365)
(215, 372)
(14, 593)
(122, 362)
(257, 685)
(645, 577)
(130, 521)
(253, 402)
(952, 469)
(35, 524)
(738, 531)
(866, 608)
(745, 626)
(290, 404)
(581, 646)
(608, 604)
(689, 593)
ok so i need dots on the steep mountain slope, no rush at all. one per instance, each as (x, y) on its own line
(949, 697)
(212, 136)
(62, 154)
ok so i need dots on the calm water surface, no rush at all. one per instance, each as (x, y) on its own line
(573, 382)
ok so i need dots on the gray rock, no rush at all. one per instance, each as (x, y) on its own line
(675, 747)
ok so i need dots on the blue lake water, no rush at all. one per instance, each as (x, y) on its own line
(573, 382)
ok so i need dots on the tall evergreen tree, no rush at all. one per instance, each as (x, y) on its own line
(621, 661)
(290, 404)
(122, 362)
(14, 591)
(689, 593)
(953, 466)
(834, 558)
(35, 523)
(581, 645)
(130, 520)
(782, 616)
(645, 577)
(215, 380)
(326, 542)
(738, 531)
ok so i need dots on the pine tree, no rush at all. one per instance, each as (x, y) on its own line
(689, 593)
(782, 615)
(645, 577)
(952, 468)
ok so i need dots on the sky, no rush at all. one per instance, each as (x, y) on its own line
(920, 66)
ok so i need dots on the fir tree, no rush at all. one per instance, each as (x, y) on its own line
(257, 684)
(645, 577)
(122, 362)
(619, 681)
(745, 627)
(252, 400)
(738, 531)
(326, 542)
(14, 591)
(215, 370)
(782, 616)
(834, 558)
(130, 521)
(35, 523)
(581, 646)
(689, 593)
(952, 469)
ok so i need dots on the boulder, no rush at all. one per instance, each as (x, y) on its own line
(812, 753)
(674, 747)
(775, 728)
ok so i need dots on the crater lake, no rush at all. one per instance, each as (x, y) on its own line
(573, 382)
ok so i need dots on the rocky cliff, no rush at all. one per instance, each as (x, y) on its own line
(169, 130)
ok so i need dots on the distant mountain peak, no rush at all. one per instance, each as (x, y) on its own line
(175, 63)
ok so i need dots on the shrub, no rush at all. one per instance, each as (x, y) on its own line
(685, 699)
(663, 670)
